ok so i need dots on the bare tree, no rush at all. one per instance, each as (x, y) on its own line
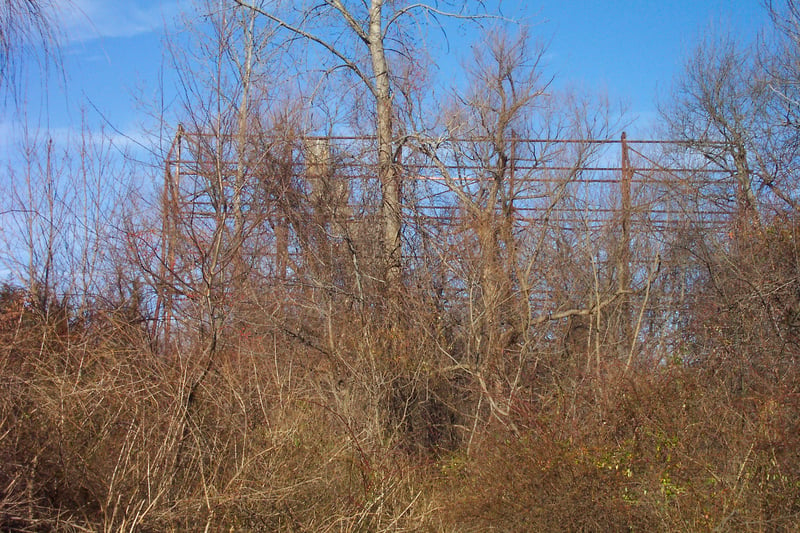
(744, 99)
(62, 203)
(25, 25)
(736, 106)
(508, 176)
(720, 98)
(372, 31)
(779, 57)
(198, 245)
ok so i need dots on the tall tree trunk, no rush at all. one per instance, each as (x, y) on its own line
(387, 172)
(745, 197)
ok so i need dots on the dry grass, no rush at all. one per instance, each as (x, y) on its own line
(377, 421)
(99, 438)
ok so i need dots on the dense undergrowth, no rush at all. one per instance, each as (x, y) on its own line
(101, 433)
(306, 333)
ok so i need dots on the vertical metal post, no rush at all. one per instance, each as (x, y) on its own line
(747, 215)
(286, 169)
(624, 253)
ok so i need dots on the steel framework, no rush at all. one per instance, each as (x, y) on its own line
(582, 186)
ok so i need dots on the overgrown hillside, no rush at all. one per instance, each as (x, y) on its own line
(345, 305)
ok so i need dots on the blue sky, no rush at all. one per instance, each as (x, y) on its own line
(634, 49)
(629, 50)
(114, 65)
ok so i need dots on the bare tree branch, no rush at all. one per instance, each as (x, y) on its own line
(449, 14)
(314, 38)
(351, 21)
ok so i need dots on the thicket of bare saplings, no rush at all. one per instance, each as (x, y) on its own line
(504, 316)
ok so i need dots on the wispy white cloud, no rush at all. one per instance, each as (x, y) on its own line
(15, 140)
(85, 20)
